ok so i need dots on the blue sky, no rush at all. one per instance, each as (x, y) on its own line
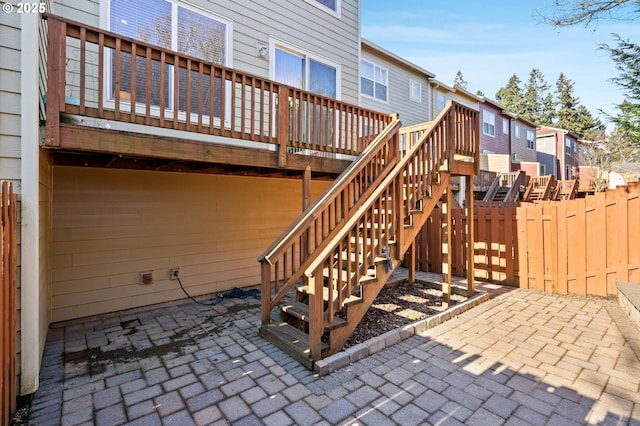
(491, 40)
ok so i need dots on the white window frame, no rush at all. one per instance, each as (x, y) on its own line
(386, 101)
(336, 13)
(505, 126)
(444, 104)
(294, 50)
(531, 142)
(105, 23)
(543, 169)
(517, 131)
(412, 84)
(491, 123)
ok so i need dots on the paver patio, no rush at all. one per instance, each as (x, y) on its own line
(522, 358)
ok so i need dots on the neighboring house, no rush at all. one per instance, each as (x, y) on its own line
(557, 152)
(391, 84)
(442, 92)
(495, 137)
(523, 146)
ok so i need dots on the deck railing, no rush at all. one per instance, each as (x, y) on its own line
(95, 73)
(400, 194)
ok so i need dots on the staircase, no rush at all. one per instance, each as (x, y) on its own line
(565, 190)
(341, 251)
(540, 188)
(506, 187)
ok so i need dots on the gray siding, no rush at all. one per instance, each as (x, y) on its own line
(519, 145)
(10, 98)
(411, 112)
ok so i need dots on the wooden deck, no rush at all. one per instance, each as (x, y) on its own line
(171, 107)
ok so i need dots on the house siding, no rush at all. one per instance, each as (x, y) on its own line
(411, 112)
(498, 144)
(519, 145)
(10, 116)
(110, 225)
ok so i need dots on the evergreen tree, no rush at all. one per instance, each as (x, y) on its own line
(626, 56)
(570, 114)
(538, 100)
(511, 96)
(460, 81)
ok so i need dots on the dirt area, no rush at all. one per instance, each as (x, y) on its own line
(397, 306)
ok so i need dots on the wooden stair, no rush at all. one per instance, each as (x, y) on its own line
(340, 274)
(565, 190)
(506, 187)
(540, 188)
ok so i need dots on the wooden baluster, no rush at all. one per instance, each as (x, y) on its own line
(117, 81)
(187, 91)
(176, 90)
(212, 94)
(283, 124)
(100, 75)
(83, 59)
(163, 64)
(200, 96)
(134, 67)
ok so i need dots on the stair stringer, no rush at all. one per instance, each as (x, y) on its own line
(339, 336)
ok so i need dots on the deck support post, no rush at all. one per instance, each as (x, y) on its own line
(266, 292)
(412, 262)
(468, 202)
(306, 188)
(316, 315)
(447, 257)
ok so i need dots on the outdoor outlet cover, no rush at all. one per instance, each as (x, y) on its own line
(146, 277)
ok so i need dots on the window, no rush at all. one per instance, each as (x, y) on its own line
(305, 72)
(441, 102)
(567, 145)
(543, 169)
(517, 129)
(331, 4)
(373, 80)
(488, 123)
(415, 91)
(567, 172)
(173, 26)
(531, 140)
(505, 126)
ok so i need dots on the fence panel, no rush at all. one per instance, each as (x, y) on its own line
(581, 246)
(8, 225)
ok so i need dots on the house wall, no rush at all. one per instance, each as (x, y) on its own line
(411, 112)
(110, 225)
(519, 145)
(498, 144)
(495, 163)
(333, 37)
(531, 168)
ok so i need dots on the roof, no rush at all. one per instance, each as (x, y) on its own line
(550, 129)
(395, 58)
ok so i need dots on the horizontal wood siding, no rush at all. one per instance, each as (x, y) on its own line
(519, 145)
(10, 99)
(398, 92)
(110, 225)
(498, 144)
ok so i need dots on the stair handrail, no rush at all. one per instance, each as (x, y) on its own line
(493, 189)
(516, 180)
(307, 234)
(410, 176)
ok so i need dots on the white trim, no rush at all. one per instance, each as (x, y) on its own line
(275, 43)
(411, 97)
(336, 13)
(32, 298)
(386, 101)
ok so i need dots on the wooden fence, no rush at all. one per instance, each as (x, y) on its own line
(580, 246)
(8, 247)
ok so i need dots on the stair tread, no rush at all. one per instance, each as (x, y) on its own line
(351, 300)
(291, 340)
(344, 275)
(301, 311)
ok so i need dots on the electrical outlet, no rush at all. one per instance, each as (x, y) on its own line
(146, 277)
(174, 273)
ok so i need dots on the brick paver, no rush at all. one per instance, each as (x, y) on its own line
(522, 358)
